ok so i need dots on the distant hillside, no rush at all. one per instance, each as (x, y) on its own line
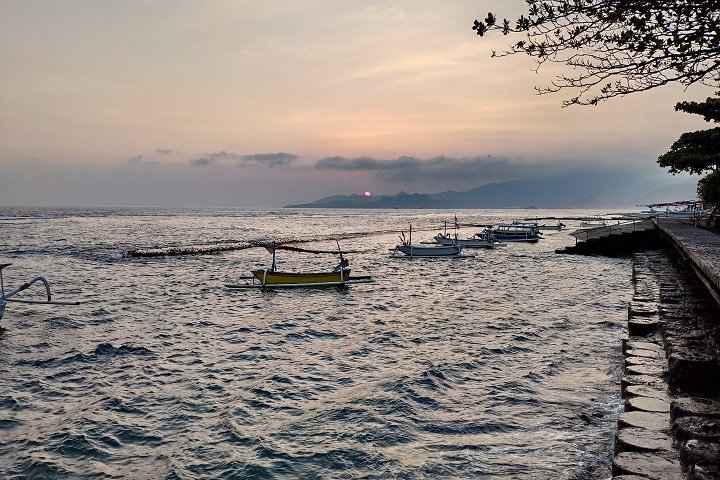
(572, 190)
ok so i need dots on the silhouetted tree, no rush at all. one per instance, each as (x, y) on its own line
(709, 188)
(698, 152)
(618, 47)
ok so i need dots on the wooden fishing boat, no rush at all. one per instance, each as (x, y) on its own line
(270, 277)
(273, 278)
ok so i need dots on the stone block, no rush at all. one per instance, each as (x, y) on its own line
(647, 465)
(658, 422)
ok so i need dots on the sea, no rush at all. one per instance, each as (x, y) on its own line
(503, 364)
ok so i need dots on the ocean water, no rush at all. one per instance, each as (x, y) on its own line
(501, 365)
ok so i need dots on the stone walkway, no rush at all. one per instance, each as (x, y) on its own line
(700, 245)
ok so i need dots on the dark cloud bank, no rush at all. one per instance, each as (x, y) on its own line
(271, 160)
(406, 169)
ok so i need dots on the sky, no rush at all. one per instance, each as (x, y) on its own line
(240, 103)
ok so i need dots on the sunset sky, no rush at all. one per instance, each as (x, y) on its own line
(260, 104)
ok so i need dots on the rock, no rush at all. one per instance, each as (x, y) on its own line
(644, 298)
(694, 369)
(649, 420)
(645, 370)
(648, 465)
(642, 309)
(645, 345)
(643, 325)
(629, 477)
(642, 440)
(694, 406)
(700, 428)
(637, 352)
(646, 404)
(699, 452)
(705, 472)
(653, 361)
(652, 380)
(646, 391)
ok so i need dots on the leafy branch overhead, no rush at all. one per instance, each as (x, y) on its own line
(617, 47)
(698, 152)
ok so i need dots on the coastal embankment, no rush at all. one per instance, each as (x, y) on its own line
(670, 427)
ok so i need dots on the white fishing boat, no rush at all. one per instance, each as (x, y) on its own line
(479, 240)
(682, 209)
(557, 227)
(8, 297)
(593, 222)
(407, 248)
(430, 250)
(516, 232)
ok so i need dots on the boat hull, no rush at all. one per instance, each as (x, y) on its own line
(268, 277)
(345, 282)
(528, 239)
(466, 242)
(430, 251)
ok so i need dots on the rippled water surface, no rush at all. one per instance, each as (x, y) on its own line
(502, 365)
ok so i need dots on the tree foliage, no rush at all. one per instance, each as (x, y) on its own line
(618, 47)
(697, 152)
(708, 189)
(693, 152)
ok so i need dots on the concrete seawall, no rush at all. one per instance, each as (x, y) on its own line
(670, 428)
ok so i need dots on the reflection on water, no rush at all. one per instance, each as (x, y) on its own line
(502, 365)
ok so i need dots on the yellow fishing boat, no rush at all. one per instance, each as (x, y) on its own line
(271, 277)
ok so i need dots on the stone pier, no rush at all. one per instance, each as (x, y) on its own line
(670, 428)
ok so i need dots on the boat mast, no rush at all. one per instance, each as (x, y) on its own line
(411, 249)
(457, 227)
(273, 258)
(342, 274)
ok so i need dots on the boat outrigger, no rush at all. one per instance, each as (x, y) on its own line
(272, 278)
(7, 297)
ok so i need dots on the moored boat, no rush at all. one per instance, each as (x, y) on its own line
(558, 226)
(406, 247)
(430, 250)
(516, 232)
(274, 278)
(479, 240)
(685, 209)
(593, 223)
(269, 277)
